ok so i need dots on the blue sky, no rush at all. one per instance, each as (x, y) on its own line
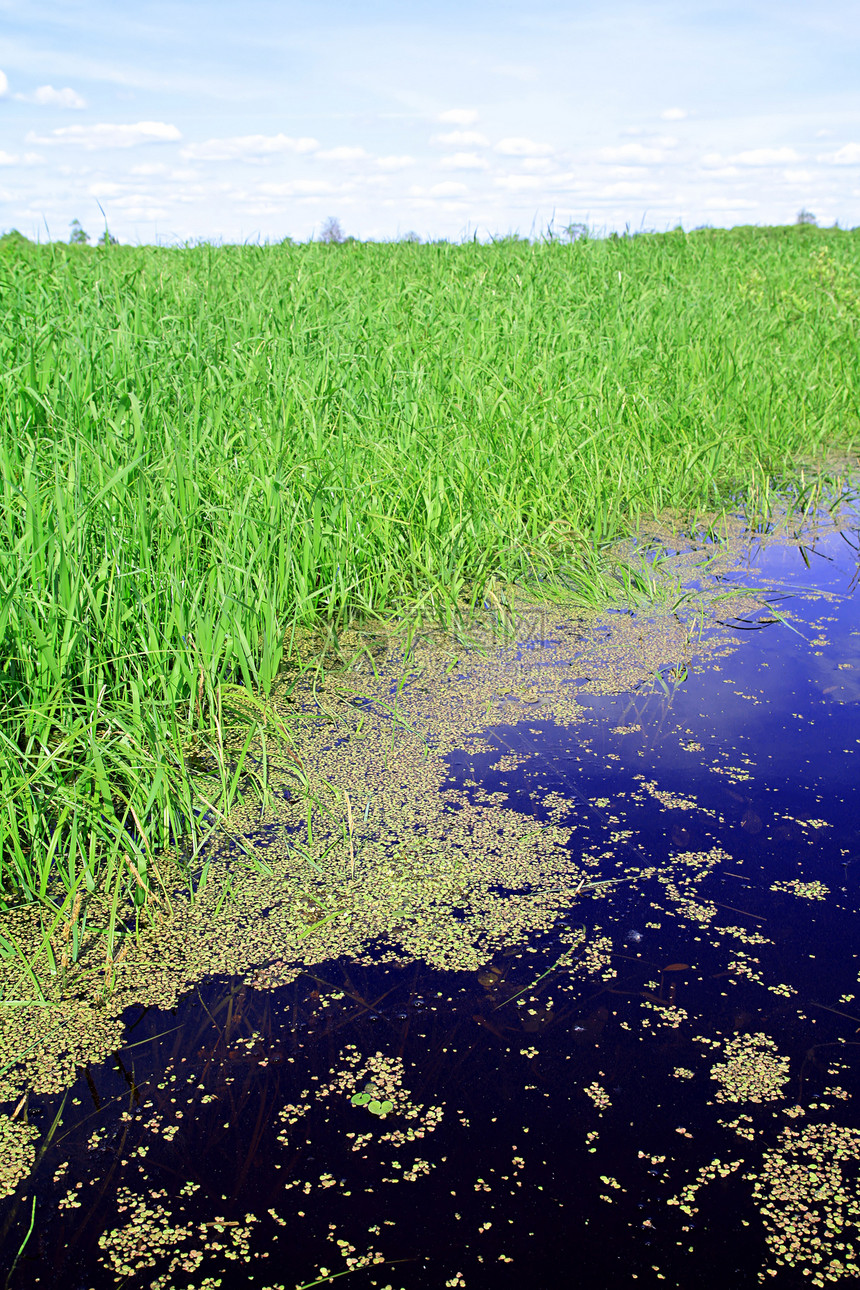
(260, 119)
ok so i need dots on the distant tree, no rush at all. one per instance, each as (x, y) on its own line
(78, 237)
(107, 239)
(332, 232)
(806, 217)
(575, 232)
(411, 236)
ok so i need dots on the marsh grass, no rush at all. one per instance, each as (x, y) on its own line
(206, 452)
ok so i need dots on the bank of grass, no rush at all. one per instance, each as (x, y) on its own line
(205, 449)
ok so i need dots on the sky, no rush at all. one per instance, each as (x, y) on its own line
(172, 121)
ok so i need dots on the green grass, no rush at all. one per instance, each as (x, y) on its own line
(203, 449)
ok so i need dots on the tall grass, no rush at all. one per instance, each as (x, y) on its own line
(202, 448)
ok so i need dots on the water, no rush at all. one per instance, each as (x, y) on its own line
(651, 1089)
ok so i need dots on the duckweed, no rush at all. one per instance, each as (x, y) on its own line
(17, 1152)
(490, 891)
(808, 1196)
(753, 1070)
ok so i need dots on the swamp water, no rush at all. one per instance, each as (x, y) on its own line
(563, 989)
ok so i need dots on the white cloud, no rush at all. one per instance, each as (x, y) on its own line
(766, 157)
(463, 161)
(847, 156)
(517, 147)
(723, 205)
(47, 96)
(717, 167)
(105, 190)
(447, 189)
(519, 183)
(458, 116)
(344, 153)
(395, 162)
(626, 188)
(715, 161)
(537, 165)
(4, 84)
(567, 182)
(561, 181)
(142, 208)
(302, 188)
(155, 168)
(28, 159)
(634, 154)
(674, 114)
(110, 136)
(798, 176)
(464, 138)
(428, 199)
(247, 147)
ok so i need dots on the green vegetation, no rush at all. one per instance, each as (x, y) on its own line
(206, 449)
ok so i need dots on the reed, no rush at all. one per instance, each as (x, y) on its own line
(202, 449)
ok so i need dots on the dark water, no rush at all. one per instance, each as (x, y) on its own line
(514, 1173)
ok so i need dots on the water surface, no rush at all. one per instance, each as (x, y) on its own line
(659, 1084)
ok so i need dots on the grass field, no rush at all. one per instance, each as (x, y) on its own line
(203, 448)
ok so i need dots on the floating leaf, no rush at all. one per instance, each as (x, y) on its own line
(677, 967)
(360, 1099)
(380, 1108)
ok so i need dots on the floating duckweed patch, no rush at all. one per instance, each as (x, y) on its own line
(149, 1237)
(504, 978)
(708, 1173)
(808, 1195)
(753, 1070)
(394, 852)
(807, 890)
(17, 1152)
(377, 1085)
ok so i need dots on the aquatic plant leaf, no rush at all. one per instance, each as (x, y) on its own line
(677, 967)
(380, 1108)
(360, 1099)
(320, 923)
